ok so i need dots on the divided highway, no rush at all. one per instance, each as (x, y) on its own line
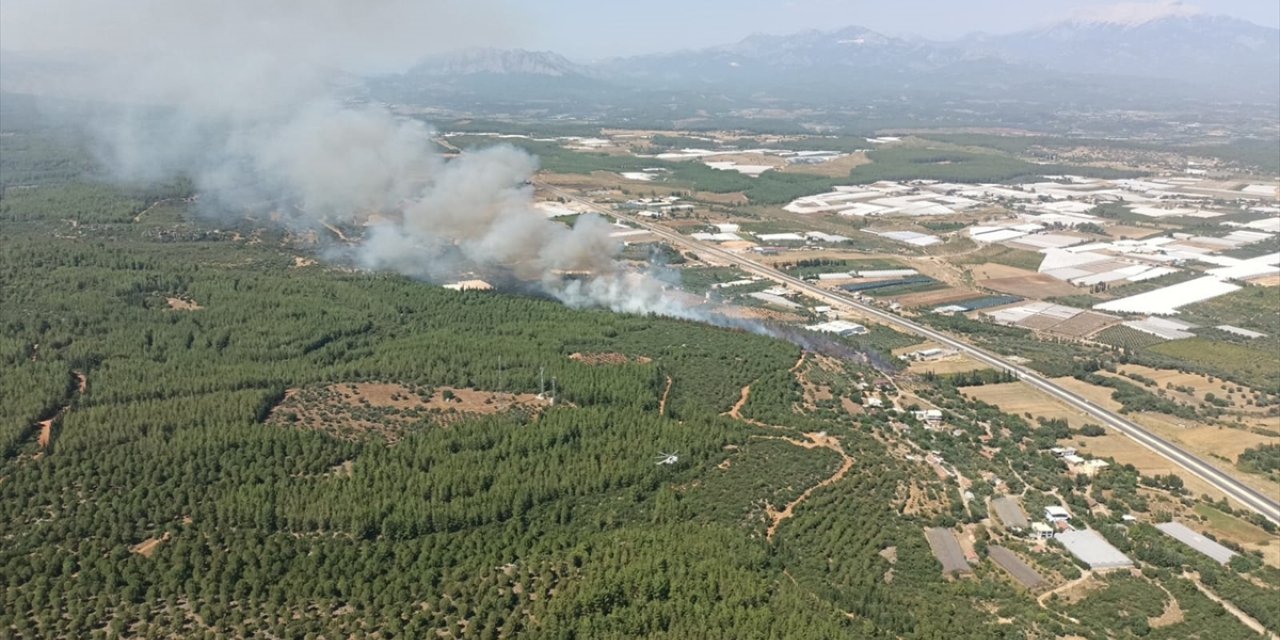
(1267, 506)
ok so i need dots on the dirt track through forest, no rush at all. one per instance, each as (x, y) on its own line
(1244, 618)
(662, 404)
(736, 411)
(45, 439)
(816, 441)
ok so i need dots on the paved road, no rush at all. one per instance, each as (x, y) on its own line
(1268, 506)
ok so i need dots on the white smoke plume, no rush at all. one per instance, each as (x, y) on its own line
(248, 99)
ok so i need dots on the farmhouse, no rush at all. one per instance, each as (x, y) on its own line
(1055, 514)
(838, 327)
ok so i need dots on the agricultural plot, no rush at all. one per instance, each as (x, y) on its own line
(1019, 570)
(1193, 387)
(895, 283)
(986, 302)
(944, 366)
(1084, 324)
(947, 550)
(1055, 318)
(1253, 365)
(1021, 399)
(930, 299)
(1127, 338)
(1030, 286)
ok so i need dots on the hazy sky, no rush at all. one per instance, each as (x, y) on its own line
(590, 28)
(390, 33)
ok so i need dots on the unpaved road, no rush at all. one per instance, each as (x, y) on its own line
(45, 439)
(816, 440)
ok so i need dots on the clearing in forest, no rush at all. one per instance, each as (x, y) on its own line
(666, 393)
(388, 410)
(609, 358)
(182, 304)
(147, 548)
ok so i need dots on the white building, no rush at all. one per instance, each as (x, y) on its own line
(1056, 513)
(838, 327)
(930, 416)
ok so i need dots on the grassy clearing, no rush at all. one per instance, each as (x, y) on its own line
(1232, 526)
(1008, 256)
(1249, 364)
(906, 163)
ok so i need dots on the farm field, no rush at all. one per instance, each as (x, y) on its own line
(1127, 338)
(1199, 384)
(1084, 324)
(837, 168)
(930, 299)
(1244, 533)
(1217, 445)
(947, 365)
(1020, 399)
(1242, 362)
(1031, 286)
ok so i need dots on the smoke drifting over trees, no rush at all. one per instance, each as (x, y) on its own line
(248, 101)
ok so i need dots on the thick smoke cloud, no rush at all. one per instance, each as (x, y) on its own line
(248, 99)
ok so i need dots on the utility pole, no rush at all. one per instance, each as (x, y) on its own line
(542, 382)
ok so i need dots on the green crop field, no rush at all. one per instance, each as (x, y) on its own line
(1127, 338)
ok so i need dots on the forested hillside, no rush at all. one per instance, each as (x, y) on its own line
(154, 482)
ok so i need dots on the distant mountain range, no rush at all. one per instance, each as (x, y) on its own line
(1221, 58)
(1213, 51)
(1173, 63)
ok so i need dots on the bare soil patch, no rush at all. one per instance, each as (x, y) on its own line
(736, 411)
(609, 358)
(1174, 382)
(1035, 286)
(666, 393)
(935, 298)
(759, 313)
(750, 158)
(1171, 615)
(1085, 324)
(1124, 231)
(1074, 591)
(943, 366)
(299, 261)
(389, 410)
(46, 433)
(735, 198)
(995, 270)
(837, 168)
(850, 406)
(183, 304)
(147, 548)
